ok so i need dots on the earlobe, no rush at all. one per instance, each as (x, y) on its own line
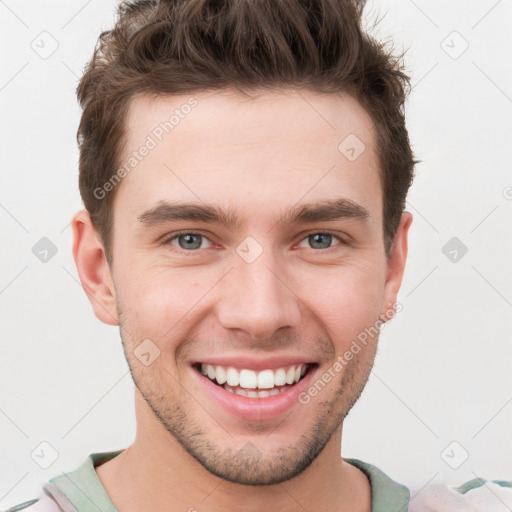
(93, 269)
(396, 266)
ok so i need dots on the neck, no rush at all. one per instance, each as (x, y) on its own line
(156, 473)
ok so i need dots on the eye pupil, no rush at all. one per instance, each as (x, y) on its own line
(319, 238)
(192, 241)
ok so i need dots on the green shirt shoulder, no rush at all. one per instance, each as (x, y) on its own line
(82, 489)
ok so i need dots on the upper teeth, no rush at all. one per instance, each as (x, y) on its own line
(249, 379)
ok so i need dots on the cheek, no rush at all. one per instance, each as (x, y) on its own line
(158, 287)
(347, 303)
(157, 302)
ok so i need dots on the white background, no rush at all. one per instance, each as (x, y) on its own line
(442, 373)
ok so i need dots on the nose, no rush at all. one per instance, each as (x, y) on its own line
(258, 298)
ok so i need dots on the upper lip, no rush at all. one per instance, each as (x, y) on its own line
(252, 363)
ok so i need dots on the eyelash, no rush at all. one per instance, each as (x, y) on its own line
(176, 235)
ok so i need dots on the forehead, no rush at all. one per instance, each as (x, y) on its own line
(272, 149)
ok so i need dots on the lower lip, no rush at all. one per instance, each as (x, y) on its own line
(246, 408)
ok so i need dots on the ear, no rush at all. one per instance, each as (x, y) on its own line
(93, 269)
(396, 266)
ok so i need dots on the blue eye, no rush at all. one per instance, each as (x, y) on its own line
(191, 242)
(321, 240)
(188, 241)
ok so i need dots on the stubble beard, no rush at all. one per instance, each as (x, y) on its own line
(252, 464)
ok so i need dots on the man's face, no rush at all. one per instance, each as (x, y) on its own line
(269, 292)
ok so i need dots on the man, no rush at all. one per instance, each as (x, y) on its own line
(244, 168)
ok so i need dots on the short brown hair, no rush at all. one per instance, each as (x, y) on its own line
(186, 46)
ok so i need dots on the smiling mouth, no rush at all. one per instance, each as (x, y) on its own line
(255, 384)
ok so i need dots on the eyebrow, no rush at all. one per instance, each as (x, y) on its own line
(336, 209)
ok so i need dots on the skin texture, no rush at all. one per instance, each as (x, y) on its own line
(259, 157)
